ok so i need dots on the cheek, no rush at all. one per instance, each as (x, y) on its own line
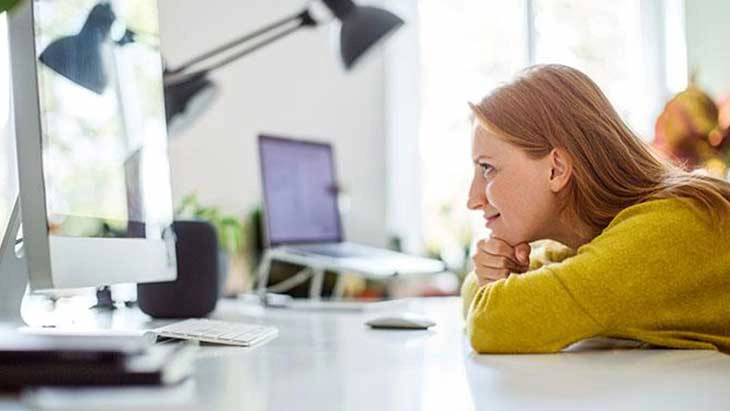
(503, 195)
(522, 207)
(537, 209)
(495, 194)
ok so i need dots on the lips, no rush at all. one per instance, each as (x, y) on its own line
(491, 218)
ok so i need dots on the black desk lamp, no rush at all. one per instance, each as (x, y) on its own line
(186, 91)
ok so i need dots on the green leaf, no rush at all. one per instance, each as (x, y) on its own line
(6, 5)
(230, 229)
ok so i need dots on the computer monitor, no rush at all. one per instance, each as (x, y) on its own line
(94, 175)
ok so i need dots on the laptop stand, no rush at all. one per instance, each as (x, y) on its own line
(313, 268)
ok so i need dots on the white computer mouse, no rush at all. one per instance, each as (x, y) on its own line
(401, 321)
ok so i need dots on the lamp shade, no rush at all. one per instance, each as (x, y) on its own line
(186, 99)
(362, 28)
(78, 57)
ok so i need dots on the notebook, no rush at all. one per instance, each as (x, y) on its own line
(301, 213)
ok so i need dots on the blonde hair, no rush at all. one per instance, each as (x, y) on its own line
(555, 106)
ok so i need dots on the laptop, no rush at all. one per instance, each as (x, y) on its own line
(301, 214)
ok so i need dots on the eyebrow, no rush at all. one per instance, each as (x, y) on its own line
(483, 156)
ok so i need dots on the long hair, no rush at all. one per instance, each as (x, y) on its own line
(555, 106)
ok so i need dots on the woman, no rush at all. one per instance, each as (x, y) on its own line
(648, 254)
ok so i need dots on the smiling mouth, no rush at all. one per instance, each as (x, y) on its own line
(490, 219)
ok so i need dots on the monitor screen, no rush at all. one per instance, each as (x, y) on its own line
(104, 137)
(300, 191)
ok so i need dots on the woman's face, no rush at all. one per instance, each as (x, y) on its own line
(511, 189)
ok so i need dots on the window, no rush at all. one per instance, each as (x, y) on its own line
(618, 44)
(468, 47)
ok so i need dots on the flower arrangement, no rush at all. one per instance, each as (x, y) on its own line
(694, 132)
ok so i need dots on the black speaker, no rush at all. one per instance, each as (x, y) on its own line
(195, 292)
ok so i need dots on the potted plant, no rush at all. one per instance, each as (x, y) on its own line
(232, 240)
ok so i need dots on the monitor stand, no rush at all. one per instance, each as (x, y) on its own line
(104, 300)
(13, 272)
(14, 276)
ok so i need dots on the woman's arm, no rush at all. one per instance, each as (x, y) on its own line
(543, 252)
(527, 313)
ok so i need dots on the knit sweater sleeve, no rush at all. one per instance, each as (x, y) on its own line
(543, 252)
(657, 273)
(527, 313)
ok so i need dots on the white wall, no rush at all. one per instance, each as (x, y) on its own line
(295, 87)
(708, 32)
(403, 120)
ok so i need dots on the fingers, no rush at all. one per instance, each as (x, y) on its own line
(495, 259)
(522, 252)
(498, 262)
(486, 274)
(490, 275)
(495, 246)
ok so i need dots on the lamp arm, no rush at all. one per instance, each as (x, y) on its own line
(303, 18)
(251, 49)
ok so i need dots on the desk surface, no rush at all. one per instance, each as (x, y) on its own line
(331, 361)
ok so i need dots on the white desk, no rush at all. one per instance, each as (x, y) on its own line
(331, 361)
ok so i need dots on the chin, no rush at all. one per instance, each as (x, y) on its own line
(497, 233)
(512, 238)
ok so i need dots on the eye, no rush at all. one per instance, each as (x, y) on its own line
(486, 168)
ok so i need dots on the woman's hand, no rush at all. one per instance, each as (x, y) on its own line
(496, 259)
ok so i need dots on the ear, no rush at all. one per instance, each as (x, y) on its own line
(560, 169)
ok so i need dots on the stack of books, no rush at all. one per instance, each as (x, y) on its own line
(48, 360)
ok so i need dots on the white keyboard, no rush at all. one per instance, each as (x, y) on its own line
(217, 332)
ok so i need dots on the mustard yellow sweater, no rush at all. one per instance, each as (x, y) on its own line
(659, 273)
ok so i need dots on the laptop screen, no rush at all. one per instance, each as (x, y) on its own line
(299, 188)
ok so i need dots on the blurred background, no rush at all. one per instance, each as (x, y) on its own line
(399, 121)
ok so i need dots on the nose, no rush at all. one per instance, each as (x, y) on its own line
(477, 196)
